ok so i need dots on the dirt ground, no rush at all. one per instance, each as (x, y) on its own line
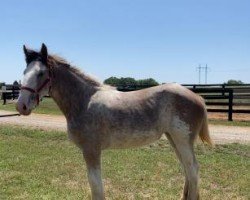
(219, 133)
(224, 116)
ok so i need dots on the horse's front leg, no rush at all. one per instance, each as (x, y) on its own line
(92, 156)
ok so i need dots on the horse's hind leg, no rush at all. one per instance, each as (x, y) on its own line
(185, 188)
(184, 148)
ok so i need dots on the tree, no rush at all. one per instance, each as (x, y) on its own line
(2, 84)
(112, 81)
(128, 81)
(234, 82)
(147, 82)
(15, 83)
(131, 83)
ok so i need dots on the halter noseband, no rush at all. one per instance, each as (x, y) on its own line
(38, 90)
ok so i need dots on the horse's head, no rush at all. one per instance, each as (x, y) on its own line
(36, 80)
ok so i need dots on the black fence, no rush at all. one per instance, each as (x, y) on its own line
(9, 92)
(224, 98)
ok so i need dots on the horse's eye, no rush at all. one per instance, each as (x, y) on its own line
(40, 74)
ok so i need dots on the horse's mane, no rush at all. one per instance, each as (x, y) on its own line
(55, 60)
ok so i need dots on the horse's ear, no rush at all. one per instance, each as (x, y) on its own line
(25, 51)
(44, 51)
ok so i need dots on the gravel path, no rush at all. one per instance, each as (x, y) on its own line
(219, 133)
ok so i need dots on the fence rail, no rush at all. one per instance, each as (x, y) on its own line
(224, 98)
(9, 92)
(218, 97)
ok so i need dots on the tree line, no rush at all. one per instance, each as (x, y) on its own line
(128, 83)
(234, 82)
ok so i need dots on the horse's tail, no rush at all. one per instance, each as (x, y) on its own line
(204, 132)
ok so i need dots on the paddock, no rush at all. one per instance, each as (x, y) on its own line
(40, 162)
(43, 164)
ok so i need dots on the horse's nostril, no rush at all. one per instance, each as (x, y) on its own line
(24, 107)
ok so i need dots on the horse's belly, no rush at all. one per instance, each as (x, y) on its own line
(134, 139)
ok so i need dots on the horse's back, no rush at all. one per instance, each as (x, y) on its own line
(135, 118)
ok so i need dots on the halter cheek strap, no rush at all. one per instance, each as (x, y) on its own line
(38, 90)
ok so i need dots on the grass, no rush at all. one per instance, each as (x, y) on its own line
(44, 165)
(46, 106)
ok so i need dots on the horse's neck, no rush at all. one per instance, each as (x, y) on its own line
(71, 93)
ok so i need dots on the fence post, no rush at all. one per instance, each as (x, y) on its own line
(13, 92)
(4, 94)
(230, 106)
(223, 87)
(4, 98)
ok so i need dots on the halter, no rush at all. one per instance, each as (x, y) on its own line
(38, 90)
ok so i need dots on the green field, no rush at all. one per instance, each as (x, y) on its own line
(46, 106)
(36, 164)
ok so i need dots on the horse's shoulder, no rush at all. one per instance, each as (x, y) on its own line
(102, 99)
(104, 96)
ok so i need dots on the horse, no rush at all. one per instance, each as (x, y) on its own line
(99, 117)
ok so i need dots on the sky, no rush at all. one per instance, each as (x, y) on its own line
(160, 39)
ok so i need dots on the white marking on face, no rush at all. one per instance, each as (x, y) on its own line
(30, 80)
(31, 72)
